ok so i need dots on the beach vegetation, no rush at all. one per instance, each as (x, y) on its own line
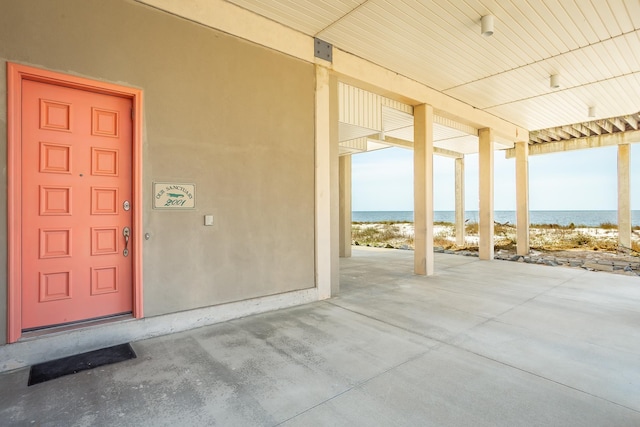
(471, 228)
(571, 226)
(545, 237)
(608, 226)
(385, 234)
(389, 222)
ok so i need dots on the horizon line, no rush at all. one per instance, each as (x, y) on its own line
(501, 210)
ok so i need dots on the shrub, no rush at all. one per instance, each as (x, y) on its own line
(608, 226)
(471, 228)
(386, 234)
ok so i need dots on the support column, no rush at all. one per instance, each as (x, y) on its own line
(624, 196)
(460, 232)
(345, 206)
(522, 197)
(485, 225)
(327, 199)
(423, 189)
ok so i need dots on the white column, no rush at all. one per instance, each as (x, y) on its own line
(485, 226)
(423, 189)
(345, 206)
(327, 200)
(522, 197)
(460, 232)
(624, 196)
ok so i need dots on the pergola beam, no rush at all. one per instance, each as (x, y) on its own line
(618, 123)
(632, 121)
(606, 125)
(596, 141)
(571, 130)
(583, 130)
(593, 127)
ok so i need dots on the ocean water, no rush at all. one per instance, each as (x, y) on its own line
(589, 218)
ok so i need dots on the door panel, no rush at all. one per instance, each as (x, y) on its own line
(76, 175)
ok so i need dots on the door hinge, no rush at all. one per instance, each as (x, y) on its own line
(133, 114)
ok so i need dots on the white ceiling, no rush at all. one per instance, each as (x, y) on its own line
(594, 45)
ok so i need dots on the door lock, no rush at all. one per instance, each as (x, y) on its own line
(126, 205)
(126, 232)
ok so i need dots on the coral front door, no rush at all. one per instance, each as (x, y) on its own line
(76, 176)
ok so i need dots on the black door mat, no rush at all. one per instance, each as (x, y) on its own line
(80, 362)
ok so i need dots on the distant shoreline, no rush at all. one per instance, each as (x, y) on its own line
(588, 218)
(604, 225)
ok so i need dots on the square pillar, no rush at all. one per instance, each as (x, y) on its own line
(624, 196)
(459, 171)
(326, 174)
(423, 189)
(345, 206)
(485, 225)
(522, 197)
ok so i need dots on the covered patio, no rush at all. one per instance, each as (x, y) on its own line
(478, 343)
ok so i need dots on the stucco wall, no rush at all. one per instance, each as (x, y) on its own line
(232, 117)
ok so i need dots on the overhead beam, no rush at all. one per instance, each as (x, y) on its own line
(583, 130)
(539, 136)
(403, 143)
(552, 134)
(593, 127)
(632, 121)
(395, 142)
(447, 153)
(606, 125)
(595, 141)
(535, 139)
(619, 124)
(571, 130)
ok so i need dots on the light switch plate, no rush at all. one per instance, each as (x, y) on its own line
(208, 220)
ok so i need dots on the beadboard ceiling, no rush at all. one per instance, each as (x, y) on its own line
(593, 45)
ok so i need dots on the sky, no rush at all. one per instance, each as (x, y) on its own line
(577, 180)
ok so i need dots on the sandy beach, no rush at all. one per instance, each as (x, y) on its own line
(592, 248)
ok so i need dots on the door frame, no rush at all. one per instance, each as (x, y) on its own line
(16, 73)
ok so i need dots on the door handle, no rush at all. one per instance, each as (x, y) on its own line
(126, 232)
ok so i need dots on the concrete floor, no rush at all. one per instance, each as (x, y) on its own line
(479, 344)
